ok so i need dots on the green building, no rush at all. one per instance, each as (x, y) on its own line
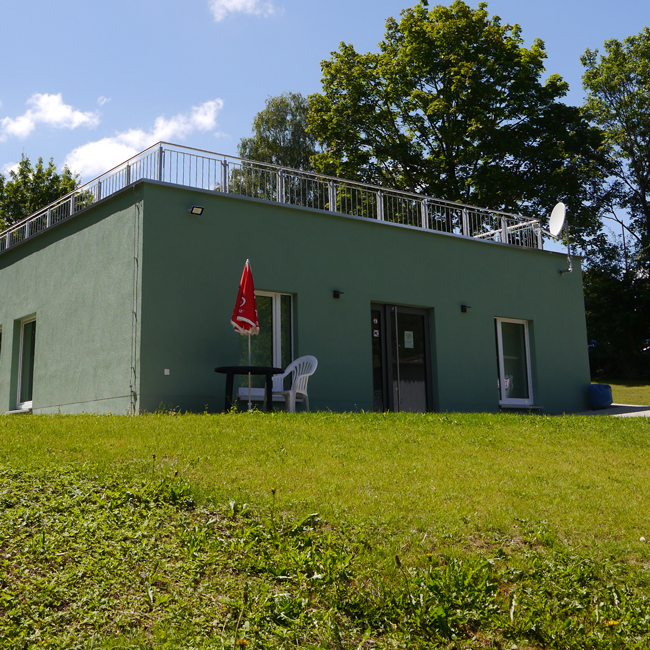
(118, 299)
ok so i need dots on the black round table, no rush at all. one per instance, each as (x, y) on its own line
(231, 371)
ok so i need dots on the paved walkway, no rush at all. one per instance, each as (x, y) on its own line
(621, 411)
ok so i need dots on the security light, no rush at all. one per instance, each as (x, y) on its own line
(196, 209)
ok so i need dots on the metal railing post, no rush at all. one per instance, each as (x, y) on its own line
(540, 241)
(504, 230)
(72, 205)
(99, 190)
(127, 176)
(424, 214)
(280, 182)
(160, 163)
(224, 176)
(48, 219)
(331, 195)
(465, 224)
(380, 205)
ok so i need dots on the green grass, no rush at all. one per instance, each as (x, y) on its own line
(630, 392)
(435, 472)
(437, 530)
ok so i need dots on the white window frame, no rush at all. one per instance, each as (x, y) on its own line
(511, 401)
(23, 406)
(276, 316)
(276, 320)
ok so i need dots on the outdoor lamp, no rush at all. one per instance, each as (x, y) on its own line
(337, 294)
(196, 209)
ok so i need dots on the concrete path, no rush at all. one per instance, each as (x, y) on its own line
(621, 411)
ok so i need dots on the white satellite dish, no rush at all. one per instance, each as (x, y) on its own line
(556, 224)
(557, 220)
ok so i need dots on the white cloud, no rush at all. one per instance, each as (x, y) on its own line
(221, 8)
(102, 100)
(96, 157)
(46, 109)
(8, 167)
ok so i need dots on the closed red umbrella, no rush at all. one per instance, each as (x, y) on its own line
(244, 317)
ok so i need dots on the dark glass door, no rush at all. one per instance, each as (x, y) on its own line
(401, 359)
(409, 365)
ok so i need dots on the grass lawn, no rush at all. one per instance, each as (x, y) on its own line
(434, 530)
(630, 392)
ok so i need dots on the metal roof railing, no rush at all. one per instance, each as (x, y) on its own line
(195, 168)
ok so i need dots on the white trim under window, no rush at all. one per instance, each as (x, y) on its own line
(26, 363)
(515, 379)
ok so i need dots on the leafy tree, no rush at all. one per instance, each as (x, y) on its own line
(617, 292)
(453, 105)
(280, 134)
(617, 305)
(29, 188)
(617, 84)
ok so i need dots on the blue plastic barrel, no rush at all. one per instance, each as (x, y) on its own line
(600, 396)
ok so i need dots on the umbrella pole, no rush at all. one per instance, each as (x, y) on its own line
(249, 374)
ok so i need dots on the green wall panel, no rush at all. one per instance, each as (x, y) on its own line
(192, 266)
(80, 278)
(77, 278)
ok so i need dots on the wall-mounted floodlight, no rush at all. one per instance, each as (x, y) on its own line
(337, 294)
(196, 210)
(464, 308)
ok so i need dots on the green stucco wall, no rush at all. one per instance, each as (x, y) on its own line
(78, 280)
(191, 266)
(140, 251)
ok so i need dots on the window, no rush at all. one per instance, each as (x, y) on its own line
(273, 346)
(513, 356)
(26, 363)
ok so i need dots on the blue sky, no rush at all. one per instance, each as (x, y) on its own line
(89, 84)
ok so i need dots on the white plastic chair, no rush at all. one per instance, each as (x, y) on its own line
(300, 370)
